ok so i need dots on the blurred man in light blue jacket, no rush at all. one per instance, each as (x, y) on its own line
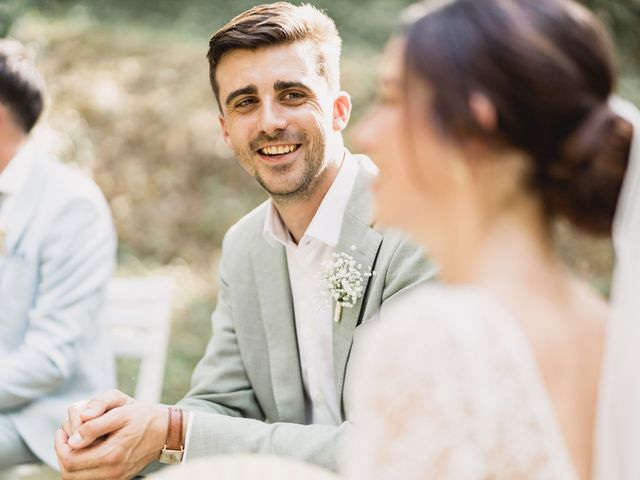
(57, 249)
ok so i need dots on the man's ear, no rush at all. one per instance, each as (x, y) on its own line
(9, 122)
(4, 115)
(225, 132)
(341, 111)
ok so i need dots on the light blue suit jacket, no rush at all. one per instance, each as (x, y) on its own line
(60, 249)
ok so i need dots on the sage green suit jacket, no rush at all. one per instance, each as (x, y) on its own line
(247, 391)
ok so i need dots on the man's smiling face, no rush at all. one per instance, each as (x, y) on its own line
(277, 115)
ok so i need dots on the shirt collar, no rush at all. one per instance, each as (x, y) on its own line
(15, 175)
(327, 222)
(274, 231)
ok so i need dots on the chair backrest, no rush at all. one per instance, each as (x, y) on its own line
(139, 313)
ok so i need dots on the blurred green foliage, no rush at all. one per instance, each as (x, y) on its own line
(623, 19)
(359, 21)
(131, 103)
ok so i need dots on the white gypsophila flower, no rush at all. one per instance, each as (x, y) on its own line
(345, 280)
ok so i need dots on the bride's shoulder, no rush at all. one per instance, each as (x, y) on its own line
(439, 328)
(434, 309)
(438, 296)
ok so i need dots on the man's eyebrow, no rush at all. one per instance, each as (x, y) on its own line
(284, 85)
(249, 89)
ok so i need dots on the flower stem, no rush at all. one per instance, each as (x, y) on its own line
(338, 313)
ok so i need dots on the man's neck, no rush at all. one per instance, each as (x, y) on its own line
(9, 147)
(298, 213)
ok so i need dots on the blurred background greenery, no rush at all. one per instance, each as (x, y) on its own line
(131, 105)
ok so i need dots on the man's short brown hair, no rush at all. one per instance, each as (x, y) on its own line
(279, 23)
(22, 89)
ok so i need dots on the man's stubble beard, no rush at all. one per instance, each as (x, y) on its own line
(304, 188)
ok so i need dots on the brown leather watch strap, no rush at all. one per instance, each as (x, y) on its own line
(174, 430)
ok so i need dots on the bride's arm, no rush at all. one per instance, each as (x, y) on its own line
(413, 410)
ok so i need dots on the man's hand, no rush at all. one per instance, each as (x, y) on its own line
(116, 443)
(80, 412)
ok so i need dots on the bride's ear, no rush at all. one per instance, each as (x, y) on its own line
(483, 111)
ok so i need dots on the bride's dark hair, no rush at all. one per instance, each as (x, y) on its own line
(547, 66)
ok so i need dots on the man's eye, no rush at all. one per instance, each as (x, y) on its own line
(293, 96)
(245, 103)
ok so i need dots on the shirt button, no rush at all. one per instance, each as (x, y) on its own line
(317, 398)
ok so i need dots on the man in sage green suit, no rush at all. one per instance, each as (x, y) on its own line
(251, 371)
(274, 374)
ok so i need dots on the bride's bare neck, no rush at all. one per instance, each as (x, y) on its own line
(504, 249)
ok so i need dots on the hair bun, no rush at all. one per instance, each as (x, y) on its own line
(584, 183)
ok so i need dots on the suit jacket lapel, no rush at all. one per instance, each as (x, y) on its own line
(356, 232)
(25, 204)
(276, 305)
(276, 301)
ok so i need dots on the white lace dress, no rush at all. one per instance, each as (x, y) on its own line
(447, 388)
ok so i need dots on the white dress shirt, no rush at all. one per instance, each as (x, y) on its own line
(312, 311)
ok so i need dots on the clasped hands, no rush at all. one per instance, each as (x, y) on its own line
(110, 437)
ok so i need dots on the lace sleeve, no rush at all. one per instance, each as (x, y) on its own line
(411, 412)
(442, 393)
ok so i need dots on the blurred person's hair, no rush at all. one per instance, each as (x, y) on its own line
(22, 88)
(275, 24)
(547, 66)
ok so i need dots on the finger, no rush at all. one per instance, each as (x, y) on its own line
(105, 455)
(66, 427)
(91, 430)
(98, 473)
(103, 403)
(62, 449)
(92, 473)
(74, 420)
(60, 440)
(86, 464)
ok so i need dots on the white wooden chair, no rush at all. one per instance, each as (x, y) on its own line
(139, 312)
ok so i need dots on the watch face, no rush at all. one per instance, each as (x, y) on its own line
(171, 456)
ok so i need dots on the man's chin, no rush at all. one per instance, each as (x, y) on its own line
(289, 190)
(285, 192)
(293, 183)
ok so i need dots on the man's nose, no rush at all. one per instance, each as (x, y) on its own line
(272, 118)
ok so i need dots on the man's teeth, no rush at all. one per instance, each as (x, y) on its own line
(278, 149)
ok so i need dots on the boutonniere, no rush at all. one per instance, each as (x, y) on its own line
(345, 281)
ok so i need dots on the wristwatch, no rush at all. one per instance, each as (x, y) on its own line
(173, 450)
